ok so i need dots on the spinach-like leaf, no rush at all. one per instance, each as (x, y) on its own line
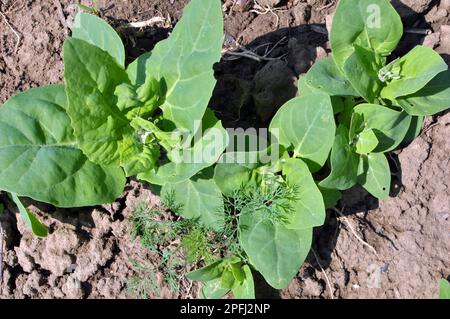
(414, 129)
(186, 162)
(431, 99)
(213, 289)
(184, 62)
(306, 125)
(91, 77)
(389, 126)
(207, 273)
(344, 163)
(96, 31)
(412, 72)
(198, 198)
(308, 206)
(366, 142)
(324, 75)
(374, 174)
(370, 24)
(246, 288)
(30, 220)
(330, 197)
(444, 289)
(275, 251)
(39, 155)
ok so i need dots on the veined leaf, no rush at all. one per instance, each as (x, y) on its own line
(199, 198)
(186, 162)
(275, 251)
(414, 71)
(433, 98)
(30, 220)
(213, 290)
(389, 126)
(207, 273)
(184, 62)
(370, 24)
(91, 77)
(374, 174)
(309, 208)
(367, 142)
(97, 32)
(306, 125)
(39, 155)
(325, 76)
(246, 288)
(344, 163)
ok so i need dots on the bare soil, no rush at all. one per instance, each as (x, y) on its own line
(398, 248)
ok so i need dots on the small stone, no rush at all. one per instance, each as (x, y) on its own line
(432, 40)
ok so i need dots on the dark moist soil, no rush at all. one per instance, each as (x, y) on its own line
(398, 248)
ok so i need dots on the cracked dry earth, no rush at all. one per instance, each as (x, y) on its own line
(398, 248)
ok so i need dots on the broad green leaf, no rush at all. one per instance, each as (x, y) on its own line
(309, 208)
(97, 32)
(184, 62)
(137, 71)
(246, 288)
(199, 198)
(330, 197)
(370, 24)
(361, 69)
(444, 289)
(414, 71)
(186, 162)
(30, 220)
(414, 129)
(213, 290)
(344, 163)
(230, 177)
(431, 99)
(207, 273)
(39, 155)
(306, 125)
(324, 75)
(91, 77)
(227, 279)
(275, 251)
(389, 126)
(374, 174)
(366, 142)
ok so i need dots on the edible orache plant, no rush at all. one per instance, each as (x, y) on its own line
(74, 145)
(378, 104)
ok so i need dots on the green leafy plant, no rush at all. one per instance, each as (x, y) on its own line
(379, 104)
(444, 289)
(74, 145)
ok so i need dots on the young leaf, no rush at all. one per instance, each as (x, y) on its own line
(199, 198)
(444, 289)
(97, 32)
(374, 174)
(186, 162)
(91, 77)
(431, 99)
(231, 176)
(213, 290)
(306, 124)
(246, 288)
(389, 126)
(30, 220)
(325, 76)
(39, 156)
(361, 69)
(366, 142)
(227, 279)
(309, 209)
(344, 163)
(370, 24)
(184, 62)
(275, 251)
(207, 273)
(415, 70)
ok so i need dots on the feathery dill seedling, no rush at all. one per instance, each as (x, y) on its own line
(198, 246)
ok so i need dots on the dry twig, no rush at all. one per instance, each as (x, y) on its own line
(251, 54)
(143, 24)
(354, 232)
(16, 33)
(330, 288)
